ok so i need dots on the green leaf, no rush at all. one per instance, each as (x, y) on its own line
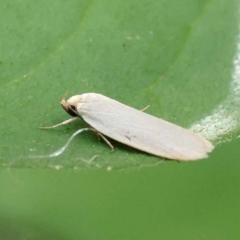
(179, 57)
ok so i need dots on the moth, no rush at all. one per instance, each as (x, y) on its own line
(132, 127)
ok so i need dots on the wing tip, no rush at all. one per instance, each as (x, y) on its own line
(201, 153)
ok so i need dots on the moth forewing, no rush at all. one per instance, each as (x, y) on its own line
(140, 130)
(136, 128)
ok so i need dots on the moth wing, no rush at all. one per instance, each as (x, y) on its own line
(141, 130)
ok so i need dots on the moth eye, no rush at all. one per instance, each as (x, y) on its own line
(72, 107)
(72, 110)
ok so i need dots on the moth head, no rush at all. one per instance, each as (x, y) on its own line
(70, 106)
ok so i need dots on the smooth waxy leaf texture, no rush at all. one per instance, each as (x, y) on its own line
(179, 58)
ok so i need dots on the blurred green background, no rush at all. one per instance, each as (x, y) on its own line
(180, 57)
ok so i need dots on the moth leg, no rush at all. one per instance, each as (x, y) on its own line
(62, 123)
(142, 110)
(106, 141)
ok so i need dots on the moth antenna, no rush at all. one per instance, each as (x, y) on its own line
(64, 96)
(62, 149)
